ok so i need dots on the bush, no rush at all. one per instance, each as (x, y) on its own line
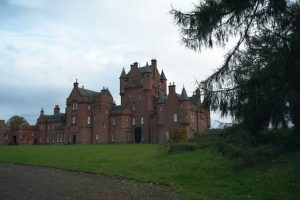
(180, 147)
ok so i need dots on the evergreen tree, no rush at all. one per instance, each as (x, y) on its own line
(259, 81)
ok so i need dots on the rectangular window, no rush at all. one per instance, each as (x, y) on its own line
(142, 120)
(89, 120)
(160, 108)
(114, 121)
(113, 136)
(89, 107)
(133, 106)
(57, 137)
(74, 105)
(192, 117)
(47, 140)
(133, 121)
(73, 120)
(103, 125)
(40, 139)
(53, 126)
(6, 137)
(175, 117)
(97, 137)
(48, 126)
(167, 135)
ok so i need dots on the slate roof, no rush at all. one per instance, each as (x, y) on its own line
(116, 109)
(59, 117)
(123, 74)
(161, 97)
(89, 93)
(146, 69)
(184, 96)
(162, 75)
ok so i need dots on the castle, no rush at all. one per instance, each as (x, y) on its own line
(92, 117)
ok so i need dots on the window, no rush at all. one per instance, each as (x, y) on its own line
(74, 105)
(103, 125)
(53, 126)
(48, 126)
(23, 138)
(53, 139)
(41, 126)
(167, 135)
(61, 137)
(142, 120)
(193, 117)
(97, 137)
(160, 108)
(47, 140)
(40, 139)
(175, 117)
(114, 121)
(113, 136)
(133, 121)
(140, 97)
(133, 106)
(89, 107)
(89, 120)
(6, 136)
(57, 137)
(73, 120)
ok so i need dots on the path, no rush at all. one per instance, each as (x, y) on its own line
(30, 182)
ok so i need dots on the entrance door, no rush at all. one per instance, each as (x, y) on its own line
(74, 139)
(15, 140)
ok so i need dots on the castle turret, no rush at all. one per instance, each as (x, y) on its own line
(185, 107)
(183, 96)
(42, 112)
(147, 78)
(123, 79)
(163, 81)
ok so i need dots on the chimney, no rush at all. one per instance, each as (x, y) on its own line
(56, 110)
(154, 63)
(172, 88)
(135, 65)
(76, 84)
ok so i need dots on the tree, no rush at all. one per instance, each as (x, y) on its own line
(16, 121)
(259, 81)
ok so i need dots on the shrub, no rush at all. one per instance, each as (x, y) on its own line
(180, 147)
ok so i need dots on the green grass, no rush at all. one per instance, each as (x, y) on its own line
(201, 174)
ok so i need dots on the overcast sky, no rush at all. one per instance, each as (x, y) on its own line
(46, 44)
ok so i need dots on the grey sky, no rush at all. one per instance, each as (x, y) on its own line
(46, 44)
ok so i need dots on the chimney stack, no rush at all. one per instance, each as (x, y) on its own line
(56, 110)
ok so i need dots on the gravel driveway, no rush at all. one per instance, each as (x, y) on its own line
(30, 182)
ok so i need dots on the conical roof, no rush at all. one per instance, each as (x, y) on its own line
(123, 74)
(161, 97)
(183, 96)
(162, 75)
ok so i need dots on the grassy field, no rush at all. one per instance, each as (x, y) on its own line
(202, 174)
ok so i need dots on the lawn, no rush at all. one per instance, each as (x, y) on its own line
(201, 174)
